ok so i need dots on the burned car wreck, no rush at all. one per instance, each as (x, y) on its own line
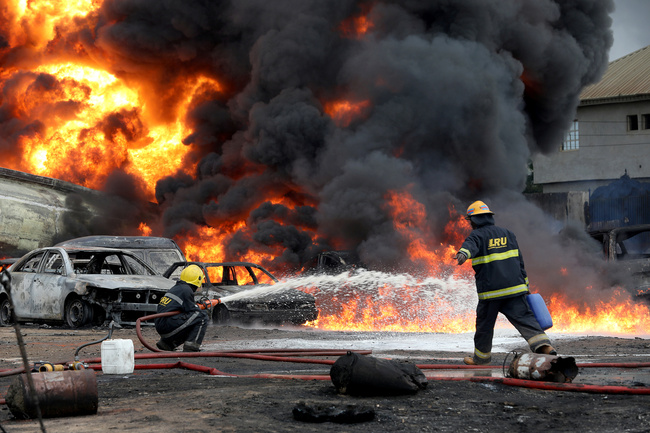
(332, 263)
(159, 253)
(247, 294)
(79, 286)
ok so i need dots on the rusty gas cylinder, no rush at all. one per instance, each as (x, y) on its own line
(60, 393)
(549, 368)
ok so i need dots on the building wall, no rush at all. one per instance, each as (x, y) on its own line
(563, 206)
(33, 210)
(606, 151)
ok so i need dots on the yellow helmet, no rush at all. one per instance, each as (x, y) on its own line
(478, 208)
(192, 275)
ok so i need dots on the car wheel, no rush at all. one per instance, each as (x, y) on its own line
(220, 315)
(78, 313)
(6, 315)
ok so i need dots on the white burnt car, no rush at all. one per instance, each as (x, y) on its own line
(249, 294)
(80, 286)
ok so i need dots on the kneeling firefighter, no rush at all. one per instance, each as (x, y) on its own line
(189, 326)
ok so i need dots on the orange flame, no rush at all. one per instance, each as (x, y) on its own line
(77, 100)
(345, 112)
(357, 26)
(207, 243)
(410, 306)
(617, 315)
(144, 229)
(81, 146)
(393, 309)
(410, 220)
(403, 307)
(35, 23)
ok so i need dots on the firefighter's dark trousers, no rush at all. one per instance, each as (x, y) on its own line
(184, 327)
(518, 312)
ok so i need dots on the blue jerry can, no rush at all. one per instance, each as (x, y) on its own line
(538, 306)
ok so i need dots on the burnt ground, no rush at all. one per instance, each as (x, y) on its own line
(179, 400)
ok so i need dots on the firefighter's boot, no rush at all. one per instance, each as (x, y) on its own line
(190, 346)
(469, 360)
(546, 349)
(163, 345)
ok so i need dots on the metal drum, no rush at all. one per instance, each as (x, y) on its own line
(60, 393)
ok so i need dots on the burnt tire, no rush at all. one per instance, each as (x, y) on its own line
(78, 313)
(220, 315)
(6, 315)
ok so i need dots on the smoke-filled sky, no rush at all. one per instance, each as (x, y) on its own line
(446, 102)
(630, 27)
(459, 94)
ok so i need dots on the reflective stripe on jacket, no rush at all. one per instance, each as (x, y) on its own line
(497, 262)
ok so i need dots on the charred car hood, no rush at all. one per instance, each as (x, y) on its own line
(130, 281)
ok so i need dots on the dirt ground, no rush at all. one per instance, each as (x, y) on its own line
(181, 400)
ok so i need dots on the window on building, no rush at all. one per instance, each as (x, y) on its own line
(645, 121)
(572, 140)
(633, 122)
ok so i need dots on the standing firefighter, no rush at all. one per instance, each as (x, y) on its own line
(501, 282)
(189, 326)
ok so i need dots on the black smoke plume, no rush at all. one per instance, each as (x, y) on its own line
(458, 95)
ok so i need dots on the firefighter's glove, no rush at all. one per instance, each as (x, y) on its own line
(461, 257)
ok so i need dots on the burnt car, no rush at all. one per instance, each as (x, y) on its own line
(248, 295)
(157, 252)
(628, 247)
(332, 263)
(79, 286)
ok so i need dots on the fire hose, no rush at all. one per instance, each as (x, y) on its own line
(289, 355)
(296, 356)
(275, 355)
(607, 389)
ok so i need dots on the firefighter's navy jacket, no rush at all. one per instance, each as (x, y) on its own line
(178, 298)
(189, 325)
(496, 260)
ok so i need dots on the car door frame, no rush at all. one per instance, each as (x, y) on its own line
(49, 289)
(28, 287)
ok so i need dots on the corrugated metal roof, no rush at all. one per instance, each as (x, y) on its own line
(627, 76)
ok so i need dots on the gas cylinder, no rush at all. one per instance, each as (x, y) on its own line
(548, 368)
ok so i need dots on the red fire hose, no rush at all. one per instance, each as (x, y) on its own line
(571, 387)
(294, 355)
(138, 331)
(505, 381)
(275, 355)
